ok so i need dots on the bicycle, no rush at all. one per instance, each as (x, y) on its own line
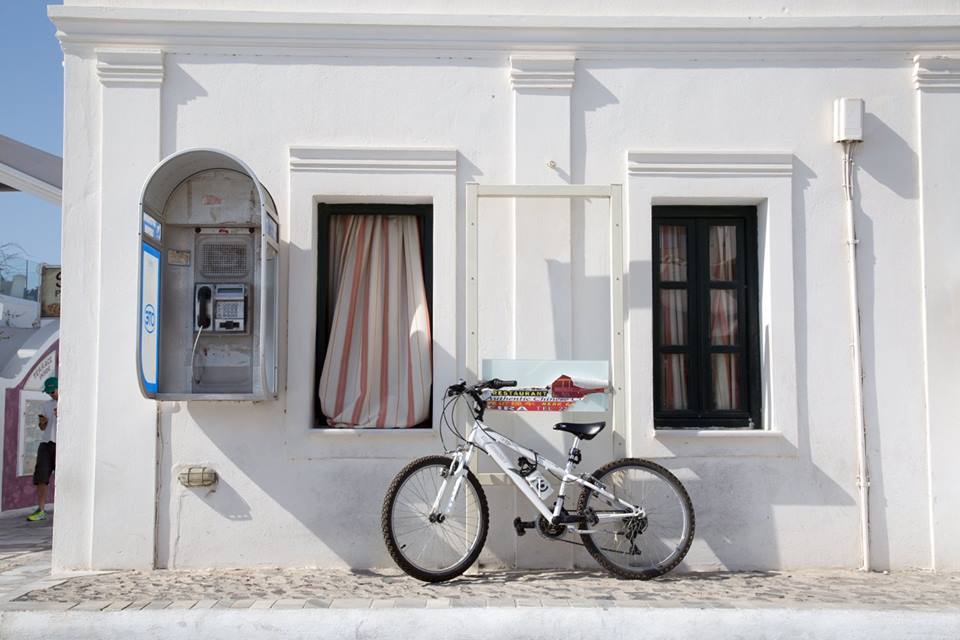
(633, 516)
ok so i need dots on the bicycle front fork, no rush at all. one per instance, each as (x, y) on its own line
(457, 472)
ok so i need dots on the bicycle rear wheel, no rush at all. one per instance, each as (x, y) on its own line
(426, 548)
(644, 547)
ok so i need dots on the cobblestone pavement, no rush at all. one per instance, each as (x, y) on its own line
(242, 588)
(25, 583)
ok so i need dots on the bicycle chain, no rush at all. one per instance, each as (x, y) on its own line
(580, 544)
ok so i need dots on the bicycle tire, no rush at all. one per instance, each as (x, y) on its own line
(686, 538)
(388, 528)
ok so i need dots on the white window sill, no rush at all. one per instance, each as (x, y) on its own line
(717, 443)
(684, 434)
(365, 433)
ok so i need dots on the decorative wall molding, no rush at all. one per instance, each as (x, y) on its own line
(937, 73)
(542, 71)
(766, 181)
(709, 163)
(313, 33)
(130, 67)
(373, 159)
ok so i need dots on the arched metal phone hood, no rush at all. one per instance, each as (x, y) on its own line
(171, 210)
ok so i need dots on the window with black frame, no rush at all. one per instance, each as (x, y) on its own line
(706, 319)
(374, 293)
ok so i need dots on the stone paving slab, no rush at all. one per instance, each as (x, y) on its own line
(24, 552)
(652, 623)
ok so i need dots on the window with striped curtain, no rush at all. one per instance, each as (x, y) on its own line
(706, 335)
(373, 319)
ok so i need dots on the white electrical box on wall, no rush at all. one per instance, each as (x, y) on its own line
(848, 120)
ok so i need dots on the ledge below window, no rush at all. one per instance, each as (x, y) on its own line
(720, 443)
(715, 433)
(360, 433)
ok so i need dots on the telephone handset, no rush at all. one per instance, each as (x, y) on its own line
(204, 304)
(221, 308)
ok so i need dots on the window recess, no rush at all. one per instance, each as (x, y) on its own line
(705, 320)
(374, 278)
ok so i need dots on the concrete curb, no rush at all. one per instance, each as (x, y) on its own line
(483, 624)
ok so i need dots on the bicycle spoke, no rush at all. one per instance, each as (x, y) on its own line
(641, 543)
(434, 546)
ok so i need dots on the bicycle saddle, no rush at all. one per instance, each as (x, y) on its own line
(584, 430)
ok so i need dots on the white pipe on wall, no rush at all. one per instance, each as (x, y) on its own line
(863, 474)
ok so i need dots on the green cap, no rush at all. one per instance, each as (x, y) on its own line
(50, 384)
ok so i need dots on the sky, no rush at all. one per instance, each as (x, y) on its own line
(31, 111)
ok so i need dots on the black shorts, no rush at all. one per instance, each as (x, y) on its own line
(46, 462)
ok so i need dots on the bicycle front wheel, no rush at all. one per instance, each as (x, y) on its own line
(429, 548)
(639, 547)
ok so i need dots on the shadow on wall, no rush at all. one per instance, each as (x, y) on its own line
(179, 90)
(866, 282)
(229, 504)
(589, 95)
(305, 488)
(761, 483)
(890, 160)
(897, 167)
(330, 497)
(338, 500)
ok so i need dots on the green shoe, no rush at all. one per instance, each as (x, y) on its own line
(37, 515)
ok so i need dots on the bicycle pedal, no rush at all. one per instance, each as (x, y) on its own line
(521, 527)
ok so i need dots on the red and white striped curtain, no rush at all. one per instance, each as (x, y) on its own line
(377, 371)
(723, 317)
(673, 319)
(674, 367)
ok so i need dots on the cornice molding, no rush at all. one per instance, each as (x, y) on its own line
(551, 72)
(373, 159)
(937, 73)
(709, 164)
(130, 67)
(309, 33)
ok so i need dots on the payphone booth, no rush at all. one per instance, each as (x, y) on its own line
(209, 268)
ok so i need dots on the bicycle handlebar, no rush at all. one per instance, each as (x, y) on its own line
(493, 383)
(497, 383)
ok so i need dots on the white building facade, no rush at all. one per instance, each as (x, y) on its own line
(702, 108)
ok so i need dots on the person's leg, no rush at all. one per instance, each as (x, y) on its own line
(41, 477)
(41, 496)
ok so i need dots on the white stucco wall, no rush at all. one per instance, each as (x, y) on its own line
(19, 313)
(289, 495)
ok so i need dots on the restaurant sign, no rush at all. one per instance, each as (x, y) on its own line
(50, 292)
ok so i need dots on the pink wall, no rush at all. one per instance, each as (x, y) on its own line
(18, 491)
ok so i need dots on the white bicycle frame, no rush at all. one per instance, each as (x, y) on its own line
(486, 439)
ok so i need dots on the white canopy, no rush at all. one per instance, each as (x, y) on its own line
(28, 169)
(180, 166)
